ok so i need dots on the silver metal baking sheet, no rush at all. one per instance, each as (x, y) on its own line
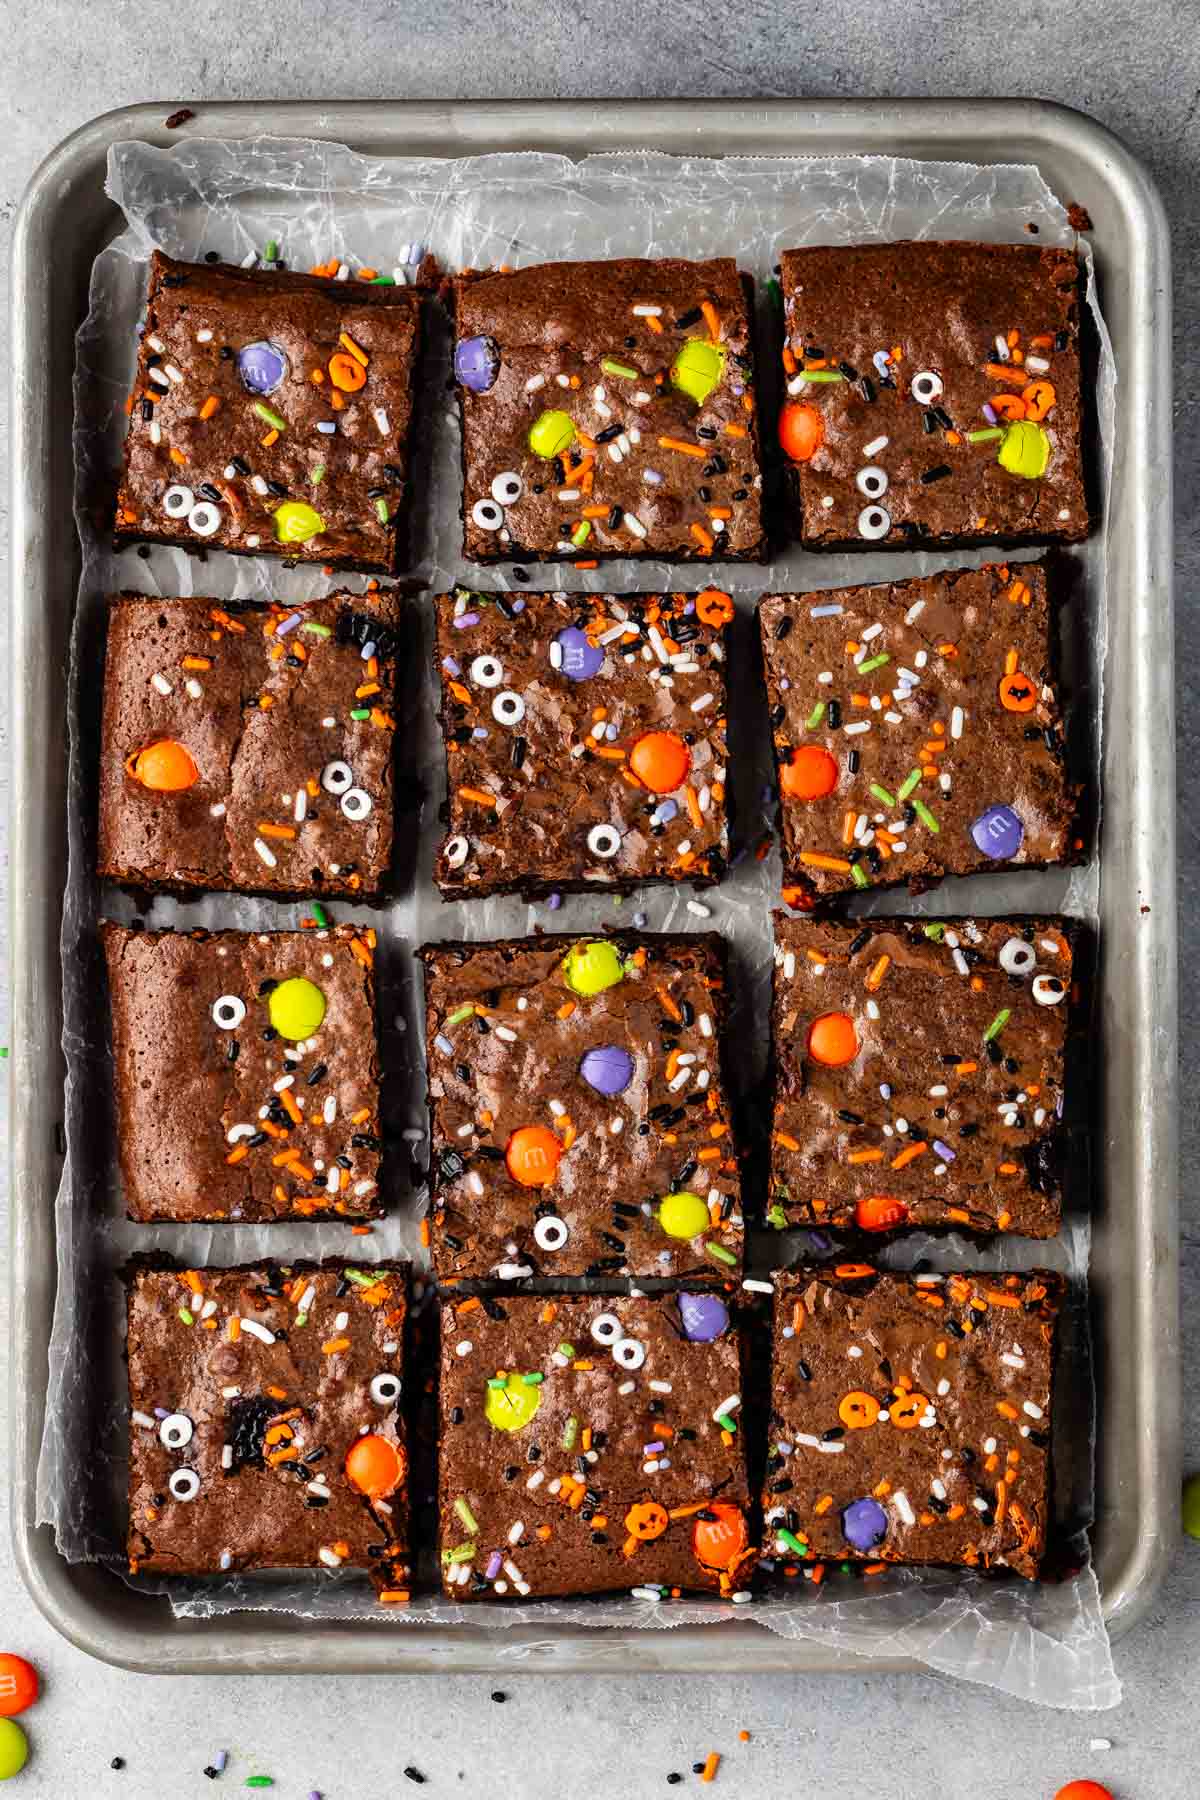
(65, 220)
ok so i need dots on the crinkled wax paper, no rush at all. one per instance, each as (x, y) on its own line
(1043, 1641)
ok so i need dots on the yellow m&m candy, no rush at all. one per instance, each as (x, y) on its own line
(683, 1215)
(1024, 450)
(296, 1007)
(511, 1402)
(590, 968)
(296, 522)
(697, 369)
(551, 433)
(14, 1749)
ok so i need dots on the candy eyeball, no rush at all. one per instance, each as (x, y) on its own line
(926, 387)
(487, 515)
(1048, 990)
(1017, 957)
(228, 1012)
(488, 671)
(874, 522)
(184, 1484)
(176, 1431)
(604, 841)
(455, 851)
(628, 1353)
(872, 481)
(606, 1328)
(356, 804)
(508, 708)
(385, 1389)
(178, 501)
(551, 1233)
(508, 488)
(337, 777)
(204, 519)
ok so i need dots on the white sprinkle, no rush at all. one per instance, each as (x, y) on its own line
(989, 1446)
(161, 684)
(329, 1557)
(1034, 1411)
(859, 726)
(703, 701)
(855, 1350)
(872, 1009)
(758, 1287)
(173, 374)
(265, 854)
(875, 446)
(464, 1347)
(1014, 1362)
(193, 688)
(647, 312)
(1038, 364)
(652, 476)
(382, 422)
(826, 612)
(961, 963)
(513, 1271)
(144, 1419)
(661, 1387)
(627, 1387)
(956, 722)
(914, 612)
(1100, 1744)
(634, 524)
(872, 631)
(516, 1532)
(259, 484)
(536, 1479)
(258, 1331)
(937, 1489)
(157, 376)
(701, 911)
(1064, 512)
(155, 432)
(569, 494)
(534, 383)
(156, 344)
(204, 337)
(825, 676)
(615, 452)
(979, 1505)
(900, 1501)
(564, 381)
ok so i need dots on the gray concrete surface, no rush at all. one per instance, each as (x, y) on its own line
(1136, 67)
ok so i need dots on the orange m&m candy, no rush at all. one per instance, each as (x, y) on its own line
(1083, 1790)
(808, 774)
(346, 373)
(375, 1466)
(713, 607)
(905, 1410)
(801, 431)
(879, 1212)
(858, 1410)
(718, 1542)
(165, 766)
(832, 1040)
(660, 760)
(1017, 693)
(18, 1685)
(532, 1156)
(1039, 398)
(647, 1520)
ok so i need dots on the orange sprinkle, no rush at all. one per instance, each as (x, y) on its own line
(711, 319)
(1008, 1168)
(237, 1154)
(789, 1143)
(210, 406)
(177, 456)
(965, 1068)
(909, 1154)
(732, 430)
(864, 1156)
(685, 449)
(711, 1764)
(479, 795)
(875, 978)
(348, 343)
(334, 1345)
(814, 860)
(1007, 1410)
(565, 1010)
(702, 537)
(276, 831)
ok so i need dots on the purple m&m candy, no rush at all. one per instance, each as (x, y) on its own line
(864, 1523)
(703, 1316)
(262, 366)
(476, 363)
(608, 1069)
(578, 657)
(998, 833)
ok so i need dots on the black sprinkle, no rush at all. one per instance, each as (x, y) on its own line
(803, 1370)
(937, 474)
(852, 762)
(118, 1762)
(412, 1774)
(691, 317)
(859, 942)
(499, 1696)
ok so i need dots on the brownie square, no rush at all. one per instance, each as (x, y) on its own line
(585, 741)
(608, 410)
(917, 730)
(246, 1073)
(267, 1429)
(933, 394)
(578, 1118)
(591, 1443)
(249, 747)
(911, 1418)
(270, 415)
(919, 1073)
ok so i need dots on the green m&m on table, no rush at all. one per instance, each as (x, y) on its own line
(296, 1008)
(14, 1749)
(1191, 1506)
(589, 968)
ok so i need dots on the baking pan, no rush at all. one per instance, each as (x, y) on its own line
(64, 221)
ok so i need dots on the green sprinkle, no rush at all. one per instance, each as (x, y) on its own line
(725, 1422)
(186, 1316)
(815, 716)
(318, 475)
(261, 1780)
(936, 931)
(301, 1318)
(272, 418)
(315, 630)
(360, 712)
(926, 817)
(566, 1350)
(998, 1023)
(777, 1217)
(611, 366)
(873, 662)
(382, 281)
(464, 1553)
(819, 375)
(534, 1378)
(496, 1381)
(911, 780)
(720, 1254)
(581, 533)
(791, 1540)
(359, 1278)
(981, 437)
(3, 1050)
(460, 1013)
(570, 1433)
(381, 511)
(466, 1515)
(775, 293)
(881, 793)
(271, 253)
(319, 913)
(858, 876)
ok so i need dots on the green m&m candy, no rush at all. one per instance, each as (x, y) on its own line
(1191, 1506)
(1024, 450)
(511, 1402)
(589, 968)
(682, 1215)
(697, 369)
(14, 1749)
(550, 434)
(297, 1007)
(296, 522)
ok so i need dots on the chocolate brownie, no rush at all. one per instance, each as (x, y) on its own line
(917, 729)
(246, 1073)
(270, 414)
(911, 1418)
(608, 410)
(933, 394)
(249, 747)
(585, 741)
(919, 1073)
(266, 1428)
(589, 1444)
(578, 1119)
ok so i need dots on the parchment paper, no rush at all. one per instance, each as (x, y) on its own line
(1044, 1641)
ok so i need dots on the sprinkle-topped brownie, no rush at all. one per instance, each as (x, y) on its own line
(590, 1444)
(266, 1428)
(917, 729)
(249, 747)
(270, 415)
(246, 1073)
(911, 1418)
(919, 1073)
(579, 1123)
(608, 410)
(932, 394)
(585, 740)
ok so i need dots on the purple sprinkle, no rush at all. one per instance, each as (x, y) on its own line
(943, 1150)
(314, 1795)
(738, 388)
(689, 609)
(989, 413)
(518, 606)
(462, 620)
(220, 1760)
(639, 919)
(554, 901)
(885, 1092)
(495, 1563)
(368, 650)
(451, 667)
(288, 624)
(820, 1241)
(665, 812)
(444, 1045)
(480, 731)
(652, 1449)
(160, 1412)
